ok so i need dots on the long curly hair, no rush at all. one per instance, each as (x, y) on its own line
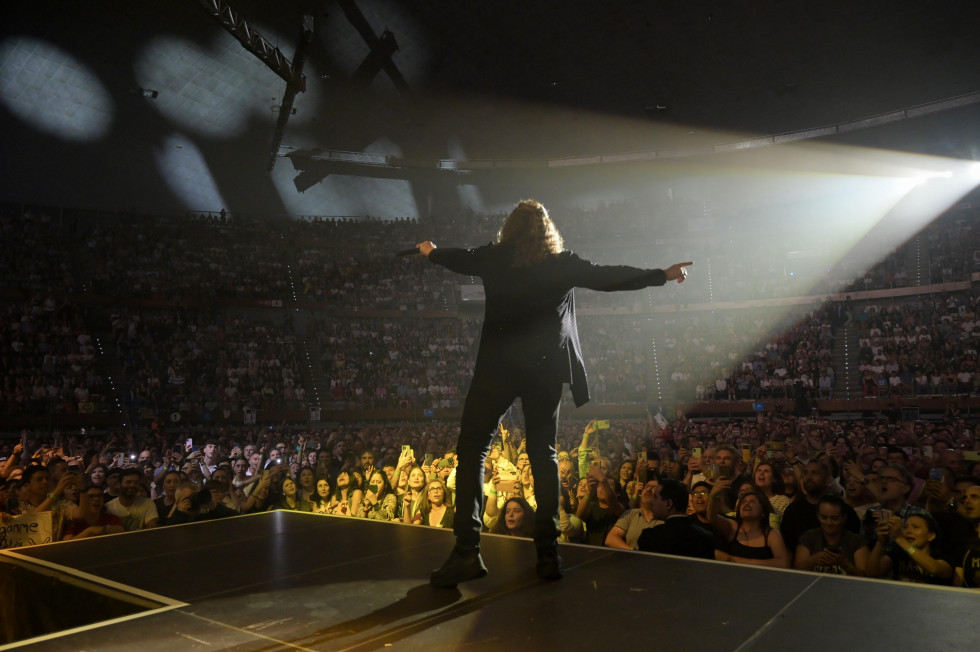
(526, 528)
(532, 233)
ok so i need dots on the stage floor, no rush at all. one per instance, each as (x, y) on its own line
(287, 580)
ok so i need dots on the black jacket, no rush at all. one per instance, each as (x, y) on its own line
(529, 325)
(679, 535)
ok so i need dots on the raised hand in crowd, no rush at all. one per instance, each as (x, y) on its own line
(588, 435)
(715, 504)
(693, 465)
(938, 495)
(405, 460)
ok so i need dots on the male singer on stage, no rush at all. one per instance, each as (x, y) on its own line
(529, 348)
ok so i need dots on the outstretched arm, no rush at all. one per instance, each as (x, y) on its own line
(677, 271)
(618, 278)
(461, 261)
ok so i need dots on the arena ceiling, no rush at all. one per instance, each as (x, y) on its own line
(153, 105)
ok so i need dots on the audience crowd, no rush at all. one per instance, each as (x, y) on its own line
(926, 346)
(212, 315)
(187, 301)
(874, 498)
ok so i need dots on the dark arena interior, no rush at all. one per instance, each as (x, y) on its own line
(232, 388)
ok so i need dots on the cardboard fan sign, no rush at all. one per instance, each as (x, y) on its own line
(26, 530)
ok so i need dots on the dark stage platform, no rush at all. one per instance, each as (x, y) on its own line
(285, 580)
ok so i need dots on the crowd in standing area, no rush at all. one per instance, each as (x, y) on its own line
(872, 498)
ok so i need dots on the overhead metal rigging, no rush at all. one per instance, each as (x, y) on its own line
(254, 42)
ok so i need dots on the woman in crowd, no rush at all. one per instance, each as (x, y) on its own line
(791, 482)
(321, 497)
(437, 508)
(749, 538)
(599, 508)
(74, 489)
(497, 491)
(289, 498)
(765, 480)
(88, 518)
(347, 496)
(97, 476)
(411, 499)
(357, 479)
(242, 484)
(912, 558)
(167, 502)
(830, 548)
(624, 477)
(404, 466)
(379, 502)
(517, 519)
(306, 483)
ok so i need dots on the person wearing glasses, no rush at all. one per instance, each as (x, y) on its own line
(679, 534)
(697, 507)
(437, 507)
(896, 483)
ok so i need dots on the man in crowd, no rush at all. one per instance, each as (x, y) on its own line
(112, 483)
(698, 502)
(633, 522)
(35, 496)
(896, 484)
(367, 463)
(679, 535)
(801, 515)
(209, 461)
(326, 467)
(136, 512)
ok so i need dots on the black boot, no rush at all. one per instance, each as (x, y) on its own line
(464, 564)
(549, 562)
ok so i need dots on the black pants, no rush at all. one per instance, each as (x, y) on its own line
(487, 401)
